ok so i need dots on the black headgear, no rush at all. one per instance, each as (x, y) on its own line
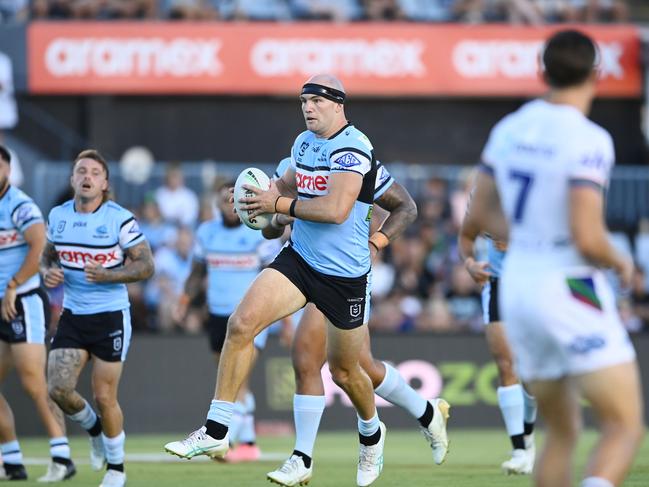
(324, 91)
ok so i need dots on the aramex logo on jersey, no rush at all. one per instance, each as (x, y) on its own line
(8, 238)
(81, 257)
(311, 182)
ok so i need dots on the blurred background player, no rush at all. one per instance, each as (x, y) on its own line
(545, 169)
(24, 319)
(518, 408)
(99, 247)
(231, 255)
(309, 349)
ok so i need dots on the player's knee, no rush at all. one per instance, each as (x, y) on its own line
(241, 327)
(59, 394)
(105, 400)
(342, 376)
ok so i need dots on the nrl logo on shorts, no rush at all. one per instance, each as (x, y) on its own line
(17, 326)
(117, 344)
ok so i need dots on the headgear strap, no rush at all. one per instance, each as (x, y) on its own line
(324, 91)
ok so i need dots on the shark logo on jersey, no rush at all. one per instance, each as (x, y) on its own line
(60, 227)
(102, 230)
(347, 160)
(303, 147)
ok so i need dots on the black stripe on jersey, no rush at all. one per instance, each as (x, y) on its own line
(351, 149)
(138, 236)
(18, 206)
(125, 222)
(349, 124)
(383, 184)
(14, 247)
(341, 169)
(307, 195)
(31, 220)
(486, 168)
(366, 194)
(85, 245)
(311, 169)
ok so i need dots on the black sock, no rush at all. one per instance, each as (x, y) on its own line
(216, 430)
(250, 443)
(305, 458)
(370, 440)
(427, 417)
(95, 430)
(518, 442)
(529, 428)
(115, 466)
(13, 467)
(62, 461)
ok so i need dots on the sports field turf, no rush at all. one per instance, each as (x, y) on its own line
(473, 461)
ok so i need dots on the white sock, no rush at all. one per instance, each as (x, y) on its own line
(530, 407)
(236, 423)
(397, 391)
(510, 400)
(307, 412)
(59, 447)
(367, 427)
(11, 452)
(114, 448)
(249, 402)
(247, 433)
(86, 418)
(596, 482)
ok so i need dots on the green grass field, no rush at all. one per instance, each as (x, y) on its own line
(473, 461)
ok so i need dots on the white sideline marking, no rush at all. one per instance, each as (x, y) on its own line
(151, 458)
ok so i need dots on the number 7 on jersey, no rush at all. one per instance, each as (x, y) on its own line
(525, 180)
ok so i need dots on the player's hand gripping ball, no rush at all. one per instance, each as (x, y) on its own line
(252, 177)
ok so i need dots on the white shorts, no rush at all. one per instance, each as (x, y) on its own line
(561, 322)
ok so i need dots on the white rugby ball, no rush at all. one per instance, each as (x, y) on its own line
(257, 178)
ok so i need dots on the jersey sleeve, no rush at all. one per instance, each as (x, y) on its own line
(383, 181)
(592, 163)
(283, 165)
(129, 231)
(268, 250)
(25, 214)
(51, 223)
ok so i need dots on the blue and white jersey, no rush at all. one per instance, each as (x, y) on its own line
(337, 250)
(17, 213)
(233, 257)
(495, 258)
(383, 177)
(102, 236)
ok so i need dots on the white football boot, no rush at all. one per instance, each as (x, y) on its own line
(199, 443)
(292, 473)
(436, 431)
(518, 464)
(370, 461)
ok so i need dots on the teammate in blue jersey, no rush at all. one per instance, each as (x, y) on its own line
(327, 262)
(517, 406)
(24, 318)
(309, 353)
(230, 255)
(94, 247)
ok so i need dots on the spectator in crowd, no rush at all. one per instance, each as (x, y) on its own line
(382, 10)
(639, 299)
(330, 10)
(601, 10)
(156, 230)
(464, 300)
(173, 265)
(178, 204)
(261, 10)
(14, 10)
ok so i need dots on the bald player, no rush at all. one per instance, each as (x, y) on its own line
(327, 262)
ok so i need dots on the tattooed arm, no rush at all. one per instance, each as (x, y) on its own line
(402, 208)
(52, 273)
(138, 267)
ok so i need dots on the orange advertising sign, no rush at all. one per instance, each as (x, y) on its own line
(274, 59)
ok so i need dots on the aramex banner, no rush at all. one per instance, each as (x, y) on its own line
(393, 59)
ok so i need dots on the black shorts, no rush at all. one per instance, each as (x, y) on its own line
(490, 308)
(217, 327)
(31, 321)
(105, 335)
(345, 301)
